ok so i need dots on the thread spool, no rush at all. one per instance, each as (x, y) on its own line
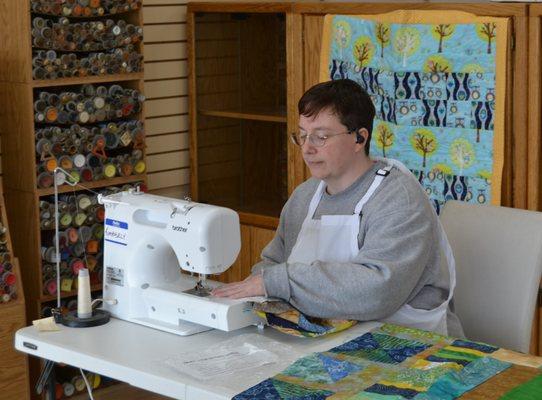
(84, 309)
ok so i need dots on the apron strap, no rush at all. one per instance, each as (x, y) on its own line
(380, 175)
(316, 200)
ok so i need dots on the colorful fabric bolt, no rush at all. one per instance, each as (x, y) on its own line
(388, 363)
(437, 81)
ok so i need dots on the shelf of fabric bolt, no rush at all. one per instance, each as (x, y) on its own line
(19, 91)
(86, 10)
(90, 79)
(120, 180)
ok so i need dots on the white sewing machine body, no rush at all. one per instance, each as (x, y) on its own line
(147, 239)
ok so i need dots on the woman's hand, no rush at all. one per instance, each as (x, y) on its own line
(251, 286)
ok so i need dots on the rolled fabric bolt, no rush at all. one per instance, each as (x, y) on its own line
(95, 381)
(78, 249)
(5, 257)
(126, 169)
(93, 161)
(65, 220)
(83, 201)
(110, 170)
(87, 175)
(139, 167)
(74, 176)
(85, 233)
(92, 247)
(65, 162)
(51, 114)
(73, 235)
(45, 205)
(79, 160)
(45, 214)
(91, 262)
(49, 254)
(98, 231)
(84, 308)
(45, 180)
(80, 218)
(68, 389)
(48, 271)
(51, 164)
(50, 286)
(78, 382)
(100, 215)
(60, 179)
(65, 254)
(59, 391)
(9, 278)
(77, 265)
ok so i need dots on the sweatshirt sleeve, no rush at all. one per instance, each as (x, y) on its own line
(376, 283)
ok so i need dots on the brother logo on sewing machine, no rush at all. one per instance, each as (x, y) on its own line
(179, 228)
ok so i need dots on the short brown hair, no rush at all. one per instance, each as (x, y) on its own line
(347, 99)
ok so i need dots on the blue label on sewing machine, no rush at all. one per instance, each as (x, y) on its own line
(116, 231)
(115, 223)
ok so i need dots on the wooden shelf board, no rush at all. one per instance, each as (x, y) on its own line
(121, 180)
(87, 79)
(45, 297)
(262, 213)
(252, 114)
(85, 17)
(262, 221)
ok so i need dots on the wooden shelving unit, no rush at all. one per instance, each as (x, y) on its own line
(14, 371)
(239, 142)
(18, 91)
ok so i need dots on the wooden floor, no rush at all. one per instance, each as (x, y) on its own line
(121, 391)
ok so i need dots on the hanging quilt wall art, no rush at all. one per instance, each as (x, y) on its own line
(437, 80)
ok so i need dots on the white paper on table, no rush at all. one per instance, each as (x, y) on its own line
(243, 352)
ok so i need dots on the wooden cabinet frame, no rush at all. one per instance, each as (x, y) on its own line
(521, 175)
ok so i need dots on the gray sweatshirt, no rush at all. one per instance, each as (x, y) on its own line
(399, 259)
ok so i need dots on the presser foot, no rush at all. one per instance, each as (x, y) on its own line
(199, 290)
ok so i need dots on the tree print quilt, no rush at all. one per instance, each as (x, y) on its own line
(437, 80)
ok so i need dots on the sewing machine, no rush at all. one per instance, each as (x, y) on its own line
(148, 239)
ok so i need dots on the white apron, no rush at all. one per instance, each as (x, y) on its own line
(334, 238)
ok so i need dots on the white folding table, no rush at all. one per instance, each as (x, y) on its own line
(137, 355)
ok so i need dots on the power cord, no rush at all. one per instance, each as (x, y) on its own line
(111, 302)
(89, 389)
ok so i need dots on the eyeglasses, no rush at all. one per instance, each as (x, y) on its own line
(317, 140)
